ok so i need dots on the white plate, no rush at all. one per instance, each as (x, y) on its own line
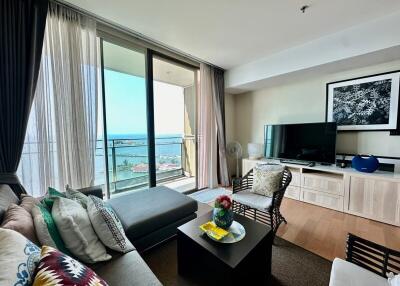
(236, 233)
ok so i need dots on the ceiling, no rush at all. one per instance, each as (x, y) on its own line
(132, 62)
(230, 33)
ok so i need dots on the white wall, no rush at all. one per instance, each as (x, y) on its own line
(303, 101)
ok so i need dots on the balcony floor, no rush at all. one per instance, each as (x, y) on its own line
(181, 185)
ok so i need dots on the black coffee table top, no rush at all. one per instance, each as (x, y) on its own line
(230, 254)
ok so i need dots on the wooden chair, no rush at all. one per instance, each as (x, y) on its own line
(367, 264)
(261, 208)
(372, 256)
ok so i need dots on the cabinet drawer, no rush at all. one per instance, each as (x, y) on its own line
(295, 179)
(293, 192)
(325, 184)
(322, 199)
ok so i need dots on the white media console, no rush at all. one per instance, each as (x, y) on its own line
(371, 195)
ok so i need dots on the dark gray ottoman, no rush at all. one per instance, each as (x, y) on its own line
(153, 215)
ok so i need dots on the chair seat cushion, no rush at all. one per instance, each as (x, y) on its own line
(253, 200)
(145, 211)
(344, 273)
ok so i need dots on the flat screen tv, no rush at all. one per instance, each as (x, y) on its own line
(306, 142)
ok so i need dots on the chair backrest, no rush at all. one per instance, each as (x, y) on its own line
(278, 195)
(247, 182)
(372, 256)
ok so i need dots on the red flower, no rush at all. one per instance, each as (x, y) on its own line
(223, 201)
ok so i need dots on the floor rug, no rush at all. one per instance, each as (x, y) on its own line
(291, 265)
(209, 195)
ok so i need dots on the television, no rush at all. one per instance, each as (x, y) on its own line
(305, 142)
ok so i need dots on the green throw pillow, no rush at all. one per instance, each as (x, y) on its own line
(49, 198)
(46, 229)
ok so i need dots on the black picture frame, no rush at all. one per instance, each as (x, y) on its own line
(393, 131)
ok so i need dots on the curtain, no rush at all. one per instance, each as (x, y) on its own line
(212, 155)
(207, 177)
(22, 24)
(218, 95)
(61, 139)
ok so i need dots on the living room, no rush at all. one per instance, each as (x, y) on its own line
(199, 143)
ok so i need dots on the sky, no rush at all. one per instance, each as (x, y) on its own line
(126, 105)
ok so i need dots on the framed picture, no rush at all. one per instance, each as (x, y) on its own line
(366, 103)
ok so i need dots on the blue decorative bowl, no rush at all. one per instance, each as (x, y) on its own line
(366, 165)
(222, 218)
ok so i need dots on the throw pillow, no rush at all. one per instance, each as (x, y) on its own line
(77, 232)
(51, 195)
(18, 219)
(18, 258)
(46, 229)
(28, 202)
(267, 179)
(7, 197)
(56, 268)
(76, 196)
(107, 225)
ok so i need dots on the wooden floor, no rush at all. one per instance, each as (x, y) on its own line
(324, 231)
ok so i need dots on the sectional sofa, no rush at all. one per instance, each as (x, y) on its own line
(148, 216)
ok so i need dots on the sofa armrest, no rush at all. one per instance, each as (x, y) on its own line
(372, 256)
(96, 191)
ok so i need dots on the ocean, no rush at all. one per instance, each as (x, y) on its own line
(128, 156)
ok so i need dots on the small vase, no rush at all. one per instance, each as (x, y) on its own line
(223, 218)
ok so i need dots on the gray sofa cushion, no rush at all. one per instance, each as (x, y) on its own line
(7, 197)
(126, 269)
(146, 211)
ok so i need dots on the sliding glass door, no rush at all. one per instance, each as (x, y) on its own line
(125, 106)
(149, 124)
(174, 124)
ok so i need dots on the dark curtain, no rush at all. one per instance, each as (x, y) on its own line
(218, 89)
(22, 25)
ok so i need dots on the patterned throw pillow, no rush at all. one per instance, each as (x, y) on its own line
(267, 179)
(77, 232)
(18, 258)
(76, 196)
(52, 193)
(107, 225)
(46, 229)
(56, 268)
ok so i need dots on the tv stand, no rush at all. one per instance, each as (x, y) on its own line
(302, 163)
(370, 195)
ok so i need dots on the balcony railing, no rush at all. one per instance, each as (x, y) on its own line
(128, 161)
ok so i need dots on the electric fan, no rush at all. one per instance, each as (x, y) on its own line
(234, 150)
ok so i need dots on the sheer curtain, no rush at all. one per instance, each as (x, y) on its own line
(61, 137)
(208, 173)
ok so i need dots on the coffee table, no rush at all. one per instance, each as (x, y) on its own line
(248, 260)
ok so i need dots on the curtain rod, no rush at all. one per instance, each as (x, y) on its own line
(132, 33)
